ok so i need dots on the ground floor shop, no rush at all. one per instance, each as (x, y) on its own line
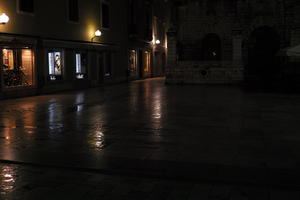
(145, 61)
(32, 66)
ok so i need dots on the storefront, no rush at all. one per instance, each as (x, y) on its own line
(17, 67)
(139, 64)
(47, 66)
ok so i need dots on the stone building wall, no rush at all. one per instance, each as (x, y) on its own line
(238, 25)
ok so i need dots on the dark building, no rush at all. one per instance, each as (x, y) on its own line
(230, 41)
(147, 33)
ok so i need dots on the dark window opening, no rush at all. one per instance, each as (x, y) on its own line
(264, 43)
(132, 18)
(73, 10)
(148, 25)
(211, 47)
(105, 15)
(26, 6)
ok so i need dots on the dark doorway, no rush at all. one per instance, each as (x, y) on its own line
(211, 47)
(157, 65)
(100, 67)
(141, 64)
(263, 65)
(163, 65)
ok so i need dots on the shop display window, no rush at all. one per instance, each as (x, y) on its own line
(18, 67)
(132, 61)
(147, 61)
(81, 65)
(55, 64)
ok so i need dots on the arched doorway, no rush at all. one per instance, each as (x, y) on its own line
(211, 47)
(263, 65)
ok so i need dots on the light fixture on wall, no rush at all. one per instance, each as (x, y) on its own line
(157, 41)
(4, 19)
(97, 34)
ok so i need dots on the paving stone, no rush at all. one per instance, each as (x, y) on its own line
(148, 140)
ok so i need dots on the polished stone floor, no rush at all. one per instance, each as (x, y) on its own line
(148, 140)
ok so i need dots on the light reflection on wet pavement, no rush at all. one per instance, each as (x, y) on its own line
(175, 135)
(8, 175)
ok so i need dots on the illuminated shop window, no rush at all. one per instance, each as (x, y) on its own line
(132, 61)
(81, 65)
(18, 67)
(147, 61)
(55, 65)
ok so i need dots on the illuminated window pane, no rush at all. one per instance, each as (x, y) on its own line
(51, 63)
(132, 61)
(147, 61)
(27, 65)
(18, 67)
(55, 65)
(81, 65)
(8, 59)
(78, 63)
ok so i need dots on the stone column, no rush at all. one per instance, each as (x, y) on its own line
(237, 48)
(171, 53)
(295, 38)
(237, 56)
(172, 49)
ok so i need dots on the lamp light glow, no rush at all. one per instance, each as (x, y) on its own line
(98, 33)
(157, 42)
(4, 18)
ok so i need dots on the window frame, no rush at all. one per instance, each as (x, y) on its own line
(53, 77)
(81, 75)
(18, 61)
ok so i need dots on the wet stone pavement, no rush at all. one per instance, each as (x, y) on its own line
(148, 140)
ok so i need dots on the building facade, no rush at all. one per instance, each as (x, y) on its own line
(229, 41)
(147, 43)
(47, 48)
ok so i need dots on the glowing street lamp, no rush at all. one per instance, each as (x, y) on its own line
(97, 34)
(4, 18)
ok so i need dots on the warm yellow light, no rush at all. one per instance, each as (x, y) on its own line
(98, 33)
(4, 18)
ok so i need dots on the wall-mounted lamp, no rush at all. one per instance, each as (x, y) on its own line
(97, 34)
(4, 18)
(157, 41)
